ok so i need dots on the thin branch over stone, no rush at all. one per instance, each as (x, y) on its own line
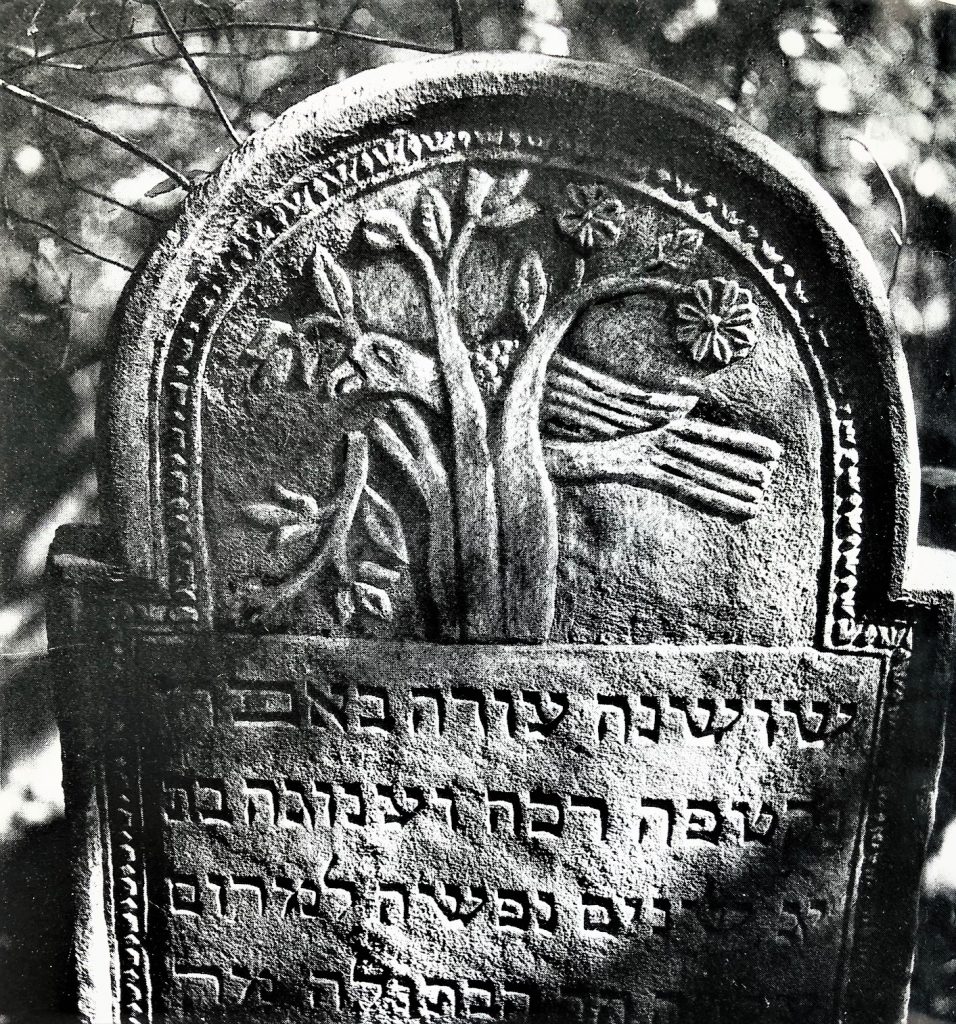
(78, 246)
(196, 70)
(92, 126)
(457, 25)
(310, 28)
(103, 197)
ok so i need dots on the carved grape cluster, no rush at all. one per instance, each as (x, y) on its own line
(491, 359)
(490, 362)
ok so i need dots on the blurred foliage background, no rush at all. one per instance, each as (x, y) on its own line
(862, 91)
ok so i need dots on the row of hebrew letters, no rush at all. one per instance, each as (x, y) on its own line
(526, 815)
(478, 714)
(363, 985)
(353, 993)
(591, 913)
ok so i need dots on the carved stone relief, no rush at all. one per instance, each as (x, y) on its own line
(515, 353)
(500, 595)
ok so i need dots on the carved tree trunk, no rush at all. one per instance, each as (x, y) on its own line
(528, 517)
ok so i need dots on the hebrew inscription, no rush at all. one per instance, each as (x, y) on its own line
(730, 790)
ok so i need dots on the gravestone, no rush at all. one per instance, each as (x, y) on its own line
(504, 605)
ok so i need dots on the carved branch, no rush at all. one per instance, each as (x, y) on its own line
(332, 551)
(529, 537)
(422, 464)
(475, 503)
(455, 255)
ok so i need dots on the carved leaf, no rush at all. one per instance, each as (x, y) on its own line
(372, 601)
(677, 249)
(383, 526)
(477, 186)
(274, 348)
(305, 504)
(378, 575)
(271, 516)
(269, 333)
(274, 370)
(508, 216)
(508, 187)
(332, 284)
(386, 230)
(297, 515)
(434, 220)
(530, 291)
(287, 533)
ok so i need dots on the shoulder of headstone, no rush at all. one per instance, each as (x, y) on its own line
(81, 555)
(931, 576)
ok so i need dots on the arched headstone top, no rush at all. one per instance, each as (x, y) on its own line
(439, 356)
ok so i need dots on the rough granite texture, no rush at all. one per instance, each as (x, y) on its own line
(501, 609)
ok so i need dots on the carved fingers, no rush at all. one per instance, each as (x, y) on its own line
(719, 469)
(625, 459)
(716, 469)
(584, 403)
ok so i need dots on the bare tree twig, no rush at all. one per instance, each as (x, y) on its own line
(110, 43)
(113, 69)
(311, 28)
(195, 69)
(92, 126)
(128, 101)
(79, 247)
(32, 27)
(457, 25)
(900, 237)
(102, 196)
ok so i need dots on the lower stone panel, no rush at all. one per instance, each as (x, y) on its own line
(351, 831)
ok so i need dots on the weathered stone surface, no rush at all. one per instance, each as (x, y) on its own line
(500, 609)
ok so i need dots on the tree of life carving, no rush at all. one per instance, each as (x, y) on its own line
(519, 414)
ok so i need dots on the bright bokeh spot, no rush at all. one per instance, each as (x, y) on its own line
(826, 34)
(28, 160)
(132, 189)
(940, 876)
(936, 314)
(835, 97)
(792, 42)
(909, 320)
(930, 178)
(33, 793)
